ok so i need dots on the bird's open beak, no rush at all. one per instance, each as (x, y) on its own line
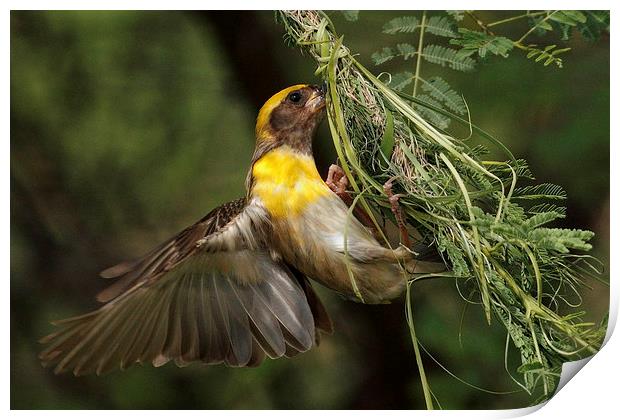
(317, 100)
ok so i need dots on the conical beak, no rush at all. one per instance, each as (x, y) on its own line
(317, 100)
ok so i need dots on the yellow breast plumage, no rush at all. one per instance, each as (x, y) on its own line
(287, 182)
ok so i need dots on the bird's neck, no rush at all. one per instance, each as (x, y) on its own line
(286, 181)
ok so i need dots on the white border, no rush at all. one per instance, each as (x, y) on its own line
(593, 391)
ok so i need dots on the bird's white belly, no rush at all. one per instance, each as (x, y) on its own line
(327, 243)
(336, 228)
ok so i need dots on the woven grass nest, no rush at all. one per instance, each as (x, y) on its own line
(490, 230)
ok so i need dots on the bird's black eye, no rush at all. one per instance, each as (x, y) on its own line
(294, 97)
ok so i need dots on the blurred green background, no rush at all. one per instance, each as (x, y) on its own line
(128, 126)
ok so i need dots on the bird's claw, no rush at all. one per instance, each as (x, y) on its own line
(337, 180)
(403, 253)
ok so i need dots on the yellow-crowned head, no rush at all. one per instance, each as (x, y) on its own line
(290, 117)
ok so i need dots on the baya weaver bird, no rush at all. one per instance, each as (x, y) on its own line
(234, 286)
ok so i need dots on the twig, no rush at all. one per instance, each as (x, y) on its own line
(480, 23)
(419, 52)
(511, 19)
(520, 40)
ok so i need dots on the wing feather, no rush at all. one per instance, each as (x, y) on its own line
(221, 222)
(217, 303)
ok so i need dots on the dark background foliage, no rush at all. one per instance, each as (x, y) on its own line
(128, 126)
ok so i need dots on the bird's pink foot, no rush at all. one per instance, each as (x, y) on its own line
(337, 181)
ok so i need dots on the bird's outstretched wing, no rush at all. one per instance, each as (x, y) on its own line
(212, 294)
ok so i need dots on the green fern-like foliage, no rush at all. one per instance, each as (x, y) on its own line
(546, 191)
(400, 81)
(441, 26)
(434, 117)
(591, 24)
(384, 55)
(444, 56)
(403, 24)
(441, 91)
(351, 15)
(443, 40)
(596, 24)
(547, 207)
(479, 42)
(433, 91)
(406, 51)
(548, 55)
